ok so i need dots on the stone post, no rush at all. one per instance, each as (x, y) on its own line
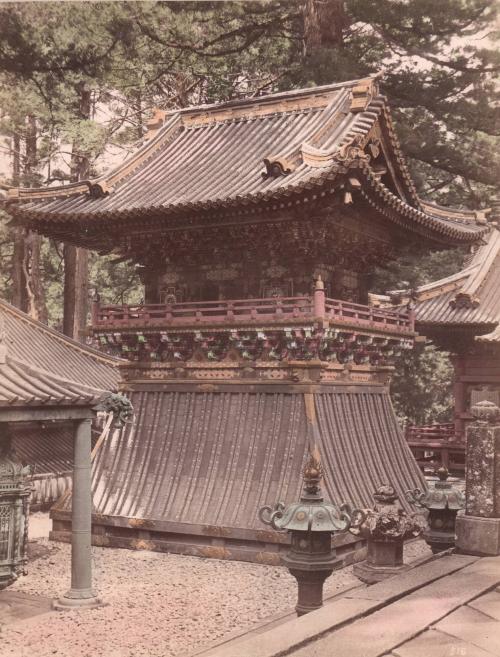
(81, 593)
(478, 530)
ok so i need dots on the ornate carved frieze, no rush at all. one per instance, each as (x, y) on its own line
(235, 348)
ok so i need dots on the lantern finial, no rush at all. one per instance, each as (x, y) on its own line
(312, 474)
(442, 473)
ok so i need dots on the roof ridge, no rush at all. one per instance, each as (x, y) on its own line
(271, 97)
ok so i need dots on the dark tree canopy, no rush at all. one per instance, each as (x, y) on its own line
(77, 78)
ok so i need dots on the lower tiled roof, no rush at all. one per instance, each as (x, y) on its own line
(213, 459)
(47, 447)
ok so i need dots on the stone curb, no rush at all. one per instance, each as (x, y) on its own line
(298, 632)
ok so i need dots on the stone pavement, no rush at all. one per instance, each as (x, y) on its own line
(446, 607)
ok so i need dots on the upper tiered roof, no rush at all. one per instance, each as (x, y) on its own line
(237, 157)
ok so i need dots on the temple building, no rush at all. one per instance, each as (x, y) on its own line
(461, 314)
(255, 225)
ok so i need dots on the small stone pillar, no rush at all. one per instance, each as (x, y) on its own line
(478, 530)
(81, 593)
(385, 527)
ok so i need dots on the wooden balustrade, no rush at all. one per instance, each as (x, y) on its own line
(257, 311)
(434, 445)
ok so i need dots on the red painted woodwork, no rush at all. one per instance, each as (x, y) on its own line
(250, 311)
(437, 444)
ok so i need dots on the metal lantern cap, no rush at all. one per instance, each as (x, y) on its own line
(443, 496)
(312, 513)
(320, 517)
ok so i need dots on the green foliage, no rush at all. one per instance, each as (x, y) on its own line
(410, 270)
(421, 387)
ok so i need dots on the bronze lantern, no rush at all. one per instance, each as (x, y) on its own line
(443, 502)
(14, 498)
(385, 528)
(311, 523)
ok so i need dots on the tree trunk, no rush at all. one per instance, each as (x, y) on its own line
(76, 259)
(36, 306)
(324, 22)
(19, 298)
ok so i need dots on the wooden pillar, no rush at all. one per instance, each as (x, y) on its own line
(319, 299)
(81, 593)
(459, 393)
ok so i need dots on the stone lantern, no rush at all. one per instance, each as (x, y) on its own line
(311, 523)
(385, 527)
(443, 502)
(14, 499)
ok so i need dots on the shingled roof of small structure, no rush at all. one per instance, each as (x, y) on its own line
(238, 155)
(23, 385)
(35, 345)
(470, 298)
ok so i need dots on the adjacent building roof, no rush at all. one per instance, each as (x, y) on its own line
(23, 385)
(48, 446)
(37, 346)
(237, 155)
(468, 299)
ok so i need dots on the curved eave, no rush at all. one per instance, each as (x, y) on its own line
(445, 231)
(376, 194)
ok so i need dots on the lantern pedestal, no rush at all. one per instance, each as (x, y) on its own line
(384, 559)
(310, 571)
(439, 541)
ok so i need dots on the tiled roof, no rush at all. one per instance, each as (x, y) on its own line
(48, 447)
(242, 153)
(23, 385)
(469, 298)
(213, 459)
(36, 345)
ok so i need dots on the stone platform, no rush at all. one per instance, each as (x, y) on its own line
(447, 606)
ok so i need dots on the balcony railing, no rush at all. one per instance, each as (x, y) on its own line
(250, 312)
(436, 444)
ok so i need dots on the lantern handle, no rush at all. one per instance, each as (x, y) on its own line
(414, 496)
(268, 515)
(353, 517)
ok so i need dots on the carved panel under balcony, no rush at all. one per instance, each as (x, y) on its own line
(243, 333)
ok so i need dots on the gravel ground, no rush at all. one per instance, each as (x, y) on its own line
(159, 605)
